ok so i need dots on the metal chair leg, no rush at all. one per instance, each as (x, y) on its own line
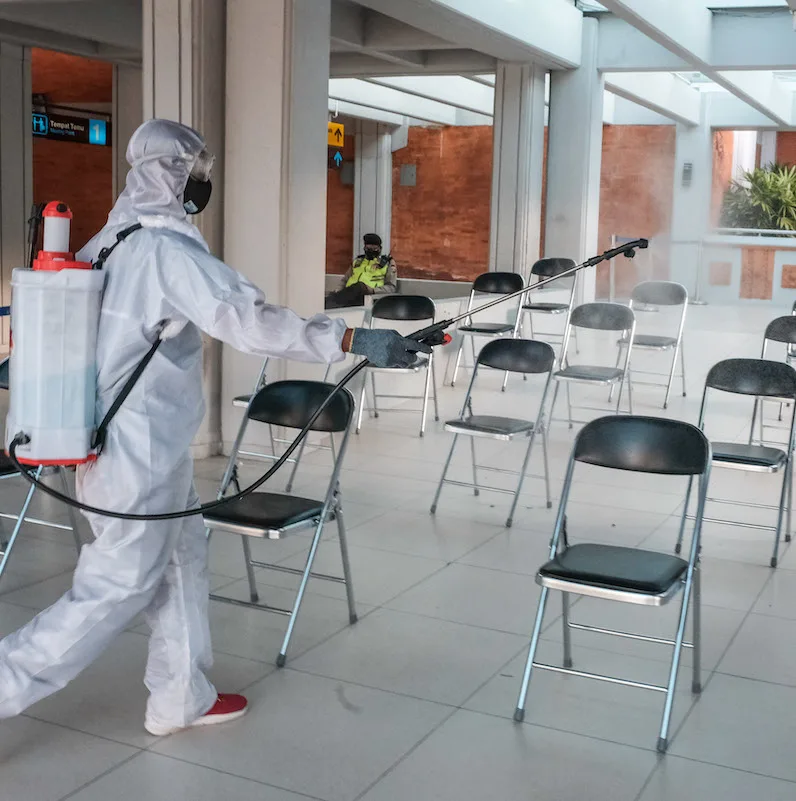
(519, 712)
(425, 398)
(755, 408)
(349, 586)
(71, 512)
(663, 739)
(682, 364)
(789, 509)
(247, 555)
(361, 404)
(18, 525)
(546, 469)
(433, 369)
(618, 359)
(524, 467)
(696, 627)
(569, 405)
(553, 404)
(458, 360)
(671, 378)
(781, 513)
(679, 545)
(567, 630)
(476, 491)
(442, 477)
(375, 400)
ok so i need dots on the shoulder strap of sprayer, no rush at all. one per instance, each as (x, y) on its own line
(102, 430)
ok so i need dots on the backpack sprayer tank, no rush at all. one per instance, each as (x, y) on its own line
(55, 308)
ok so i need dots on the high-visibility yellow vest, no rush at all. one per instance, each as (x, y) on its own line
(370, 272)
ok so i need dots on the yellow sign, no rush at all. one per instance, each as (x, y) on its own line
(336, 134)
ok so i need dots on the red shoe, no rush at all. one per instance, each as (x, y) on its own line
(226, 708)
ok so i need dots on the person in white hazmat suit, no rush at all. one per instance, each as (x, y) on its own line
(161, 275)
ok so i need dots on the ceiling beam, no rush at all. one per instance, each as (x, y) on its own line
(754, 41)
(661, 92)
(363, 93)
(545, 31)
(684, 28)
(364, 113)
(450, 89)
(435, 62)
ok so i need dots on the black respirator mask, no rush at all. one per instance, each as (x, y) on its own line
(199, 187)
(373, 251)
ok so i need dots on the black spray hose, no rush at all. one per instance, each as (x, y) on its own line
(431, 335)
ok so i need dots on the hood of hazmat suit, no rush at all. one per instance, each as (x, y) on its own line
(160, 274)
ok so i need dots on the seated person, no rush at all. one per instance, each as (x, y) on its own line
(370, 274)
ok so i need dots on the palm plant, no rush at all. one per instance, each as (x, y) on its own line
(765, 198)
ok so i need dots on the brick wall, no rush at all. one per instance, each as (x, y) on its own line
(340, 215)
(440, 227)
(786, 147)
(80, 175)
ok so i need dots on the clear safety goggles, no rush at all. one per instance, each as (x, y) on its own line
(203, 166)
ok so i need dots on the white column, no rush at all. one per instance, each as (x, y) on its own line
(574, 156)
(276, 162)
(517, 161)
(768, 147)
(184, 44)
(372, 183)
(128, 114)
(16, 164)
(691, 199)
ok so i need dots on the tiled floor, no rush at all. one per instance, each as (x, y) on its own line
(415, 701)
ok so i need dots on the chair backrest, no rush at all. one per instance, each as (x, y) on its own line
(603, 317)
(783, 329)
(758, 377)
(550, 268)
(660, 293)
(403, 307)
(494, 283)
(518, 356)
(643, 445)
(292, 403)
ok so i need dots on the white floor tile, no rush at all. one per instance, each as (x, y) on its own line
(473, 757)
(312, 735)
(765, 649)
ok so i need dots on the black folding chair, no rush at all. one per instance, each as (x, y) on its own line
(400, 308)
(627, 575)
(656, 294)
(523, 356)
(492, 283)
(275, 516)
(542, 270)
(760, 379)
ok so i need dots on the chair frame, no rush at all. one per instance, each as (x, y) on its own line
(622, 380)
(678, 348)
(689, 584)
(468, 321)
(426, 363)
(786, 491)
(332, 509)
(539, 427)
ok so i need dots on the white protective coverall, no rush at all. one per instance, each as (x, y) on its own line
(162, 272)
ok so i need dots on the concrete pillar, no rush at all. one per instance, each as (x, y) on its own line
(276, 165)
(767, 140)
(184, 43)
(573, 161)
(691, 199)
(517, 160)
(372, 183)
(16, 165)
(128, 114)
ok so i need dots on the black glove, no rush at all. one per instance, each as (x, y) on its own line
(385, 348)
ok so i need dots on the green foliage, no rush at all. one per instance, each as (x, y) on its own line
(765, 198)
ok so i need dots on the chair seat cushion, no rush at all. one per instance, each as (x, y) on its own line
(489, 425)
(486, 328)
(652, 341)
(265, 510)
(587, 372)
(752, 455)
(549, 308)
(616, 568)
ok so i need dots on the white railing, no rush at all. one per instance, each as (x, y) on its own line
(754, 232)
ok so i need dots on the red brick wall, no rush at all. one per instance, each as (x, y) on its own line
(786, 147)
(440, 227)
(722, 171)
(80, 175)
(340, 215)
